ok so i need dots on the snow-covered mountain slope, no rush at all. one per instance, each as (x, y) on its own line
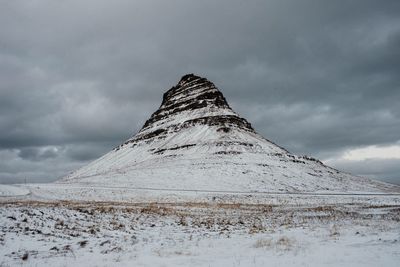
(196, 141)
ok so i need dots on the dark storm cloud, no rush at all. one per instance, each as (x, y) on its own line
(34, 153)
(79, 77)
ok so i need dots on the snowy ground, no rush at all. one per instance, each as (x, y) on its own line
(356, 231)
(13, 191)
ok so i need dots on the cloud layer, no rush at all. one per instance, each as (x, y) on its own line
(77, 78)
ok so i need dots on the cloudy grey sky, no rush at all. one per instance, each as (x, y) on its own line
(318, 77)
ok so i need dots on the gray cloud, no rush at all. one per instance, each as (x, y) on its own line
(77, 78)
(384, 169)
(35, 154)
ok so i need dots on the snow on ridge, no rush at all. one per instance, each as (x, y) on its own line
(196, 141)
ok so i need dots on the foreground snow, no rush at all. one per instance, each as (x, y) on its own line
(66, 233)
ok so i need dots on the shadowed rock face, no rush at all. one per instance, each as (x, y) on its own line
(193, 101)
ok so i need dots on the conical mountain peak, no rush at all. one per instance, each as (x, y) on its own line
(193, 101)
(195, 90)
(188, 78)
(195, 141)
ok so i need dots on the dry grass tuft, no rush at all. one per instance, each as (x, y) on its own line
(263, 243)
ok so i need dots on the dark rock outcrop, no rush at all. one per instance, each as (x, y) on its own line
(192, 94)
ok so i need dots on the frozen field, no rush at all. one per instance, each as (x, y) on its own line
(138, 227)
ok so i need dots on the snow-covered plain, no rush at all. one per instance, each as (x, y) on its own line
(66, 225)
(12, 191)
(66, 233)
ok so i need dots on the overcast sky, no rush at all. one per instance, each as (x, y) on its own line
(317, 77)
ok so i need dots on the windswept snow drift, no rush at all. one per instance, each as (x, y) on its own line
(195, 141)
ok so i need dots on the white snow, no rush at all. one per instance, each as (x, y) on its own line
(12, 190)
(198, 234)
(261, 166)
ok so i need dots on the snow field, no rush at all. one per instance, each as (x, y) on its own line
(197, 234)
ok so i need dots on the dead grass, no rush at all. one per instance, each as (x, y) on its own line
(285, 243)
(282, 243)
(263, 243)
(334, 231)
(155, 208)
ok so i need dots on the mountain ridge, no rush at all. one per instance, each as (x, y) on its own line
(194, 140)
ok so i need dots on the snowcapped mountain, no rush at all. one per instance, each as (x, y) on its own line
(195, 141)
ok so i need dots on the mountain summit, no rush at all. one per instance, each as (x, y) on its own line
(195, 141)
(193, 101)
